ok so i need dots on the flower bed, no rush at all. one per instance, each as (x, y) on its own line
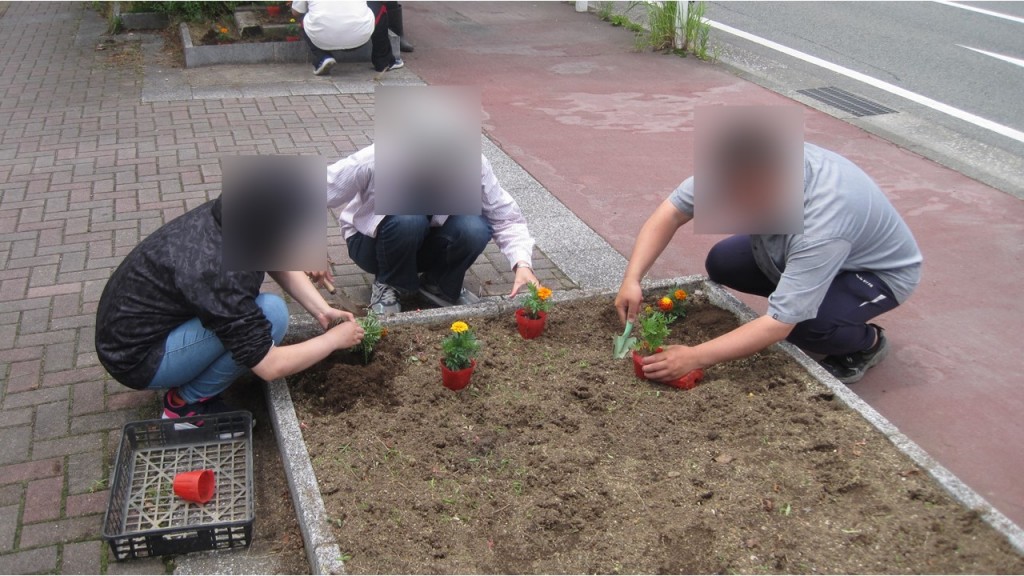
(556, 458)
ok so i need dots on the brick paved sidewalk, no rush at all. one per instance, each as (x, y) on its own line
(86, 171)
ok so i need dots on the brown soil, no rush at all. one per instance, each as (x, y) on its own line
(557, 459)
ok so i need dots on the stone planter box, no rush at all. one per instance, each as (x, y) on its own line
(322, 549)
(263, 52)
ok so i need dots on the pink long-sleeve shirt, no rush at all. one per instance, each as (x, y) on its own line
(350, 186)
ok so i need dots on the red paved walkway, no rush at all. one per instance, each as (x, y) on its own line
(607, 130)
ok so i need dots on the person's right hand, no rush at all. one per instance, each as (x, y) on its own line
(346, 335)
(627, 303)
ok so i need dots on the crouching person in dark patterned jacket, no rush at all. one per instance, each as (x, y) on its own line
(177, 316)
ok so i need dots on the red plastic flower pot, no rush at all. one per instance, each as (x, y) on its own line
(530, 328)
(292, 38)
(638, 364)
(274, 10)
(456, 379)
(688, 381)
(195, 486)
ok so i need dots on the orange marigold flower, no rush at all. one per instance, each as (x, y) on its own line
(223, 30)
(680, 294)
(383, 332)
(665, 304)
(544, 293)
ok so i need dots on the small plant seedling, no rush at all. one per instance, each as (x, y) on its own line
(373, 331)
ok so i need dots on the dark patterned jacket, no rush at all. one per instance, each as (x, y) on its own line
(171, 277)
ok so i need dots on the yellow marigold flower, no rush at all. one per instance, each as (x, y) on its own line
(648, 309)
(665, 304)
(544, 293)
(459, 327)
(292, 20)
(680, 294)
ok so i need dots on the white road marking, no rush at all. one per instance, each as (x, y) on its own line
(974, 119)
(1016, 19)
(1003, 57)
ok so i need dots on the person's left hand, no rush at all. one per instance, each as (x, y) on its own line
(672, 363)
(524, 276)
(327, 317)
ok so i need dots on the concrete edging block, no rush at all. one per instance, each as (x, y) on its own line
(143, 20)
(322, 550)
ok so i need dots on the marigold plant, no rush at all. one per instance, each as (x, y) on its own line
(536, 300)
(223, 33)
(293, 28)
(652, 326)
(460, 347)
(674, 304)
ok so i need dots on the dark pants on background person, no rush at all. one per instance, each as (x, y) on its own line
(407, 245)
(841, 324)
(381, 54)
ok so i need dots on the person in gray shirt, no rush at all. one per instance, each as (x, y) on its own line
(854, 260)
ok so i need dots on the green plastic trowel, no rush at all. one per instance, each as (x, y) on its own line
(625, 342)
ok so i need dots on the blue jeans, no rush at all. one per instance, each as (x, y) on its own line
(407, 245)
(196, 363)
(840, 327)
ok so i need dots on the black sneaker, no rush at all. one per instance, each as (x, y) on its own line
(213, 405)
(433, 293)
(850, 368)
(324, 68)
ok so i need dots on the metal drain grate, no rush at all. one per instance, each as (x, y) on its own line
(847, 102)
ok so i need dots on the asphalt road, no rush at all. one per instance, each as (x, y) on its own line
(929, 48)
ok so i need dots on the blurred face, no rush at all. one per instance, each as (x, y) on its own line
(752, 195)
(748, 176)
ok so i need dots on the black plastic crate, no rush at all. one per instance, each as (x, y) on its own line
(144, 518)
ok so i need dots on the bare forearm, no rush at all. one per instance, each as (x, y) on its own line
(298, 286)
(284, 361)
(744, 341)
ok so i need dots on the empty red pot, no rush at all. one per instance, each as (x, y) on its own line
(195, 486)
(274, 10)
(530, 328)
(292, 38)
(456, 379)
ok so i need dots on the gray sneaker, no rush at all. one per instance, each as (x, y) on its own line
(851, 368)
(384, 299)
(433, 293)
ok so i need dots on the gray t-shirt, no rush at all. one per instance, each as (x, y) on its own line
(849, 226)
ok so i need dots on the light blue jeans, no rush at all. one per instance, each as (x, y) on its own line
(196, 363)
